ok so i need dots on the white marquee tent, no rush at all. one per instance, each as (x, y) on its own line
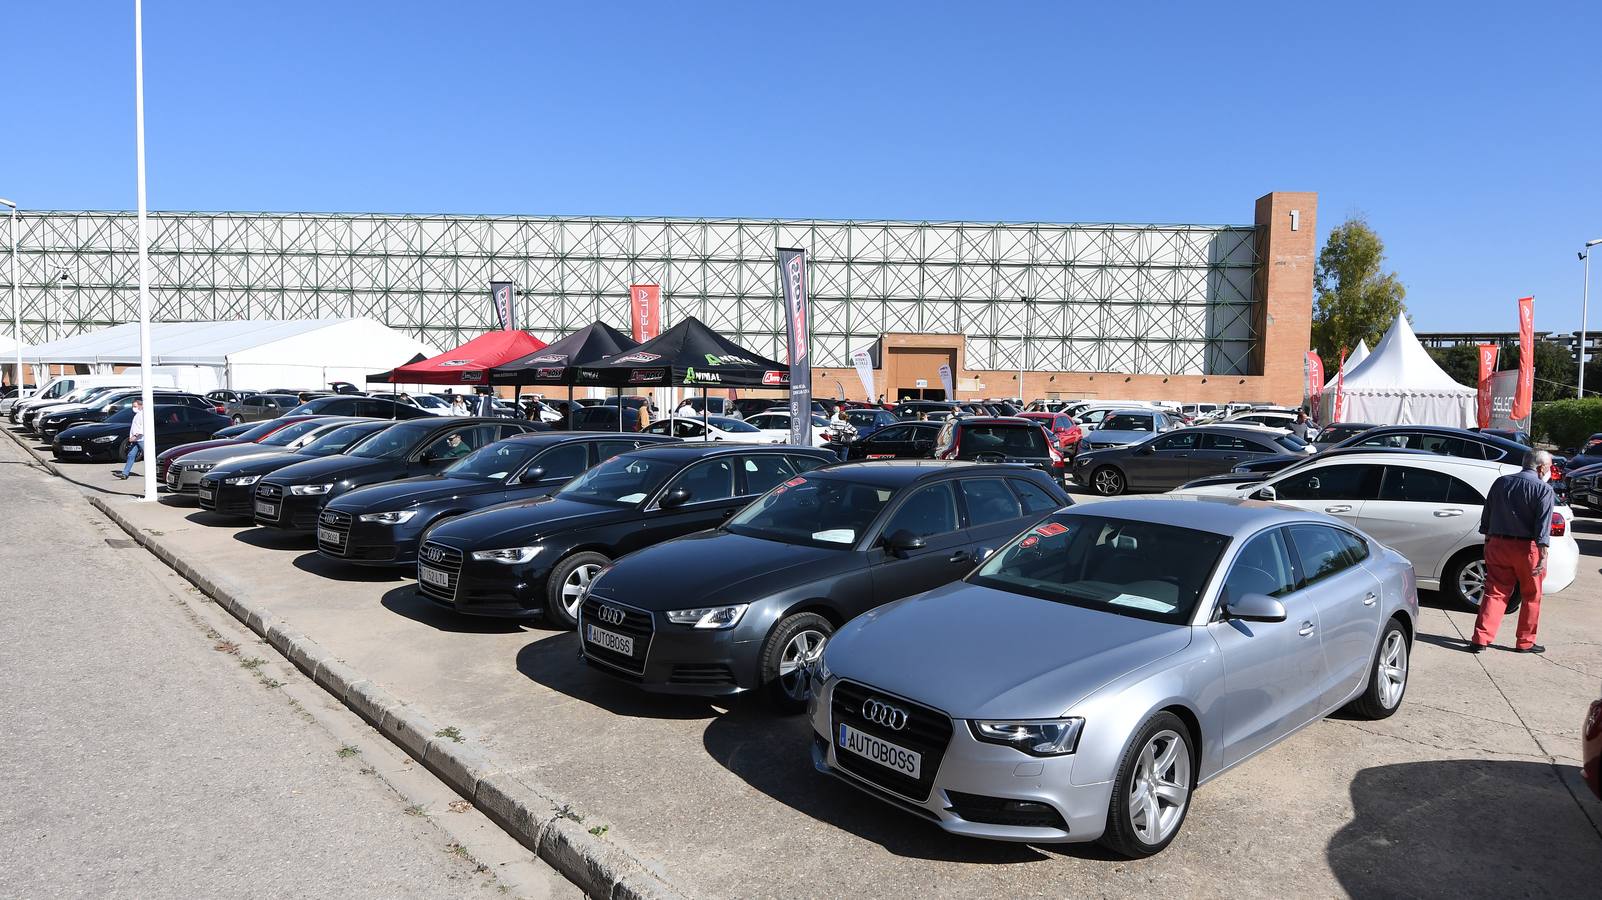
(1353, 360)
(1399, 384)
(243, 354)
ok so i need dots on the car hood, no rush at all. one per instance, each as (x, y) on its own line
(979, 653)
(1228, 478)
(717, 567)
(409, 492)
(1099, 437)
(509, 523)
(89, 430)
(189, 451)
(330, 468)
(261, 463)
(63, 409)
(221, 452)
(1216, 487)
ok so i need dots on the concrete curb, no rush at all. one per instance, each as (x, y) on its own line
(528, 812)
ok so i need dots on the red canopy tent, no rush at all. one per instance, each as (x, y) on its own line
(471, 362)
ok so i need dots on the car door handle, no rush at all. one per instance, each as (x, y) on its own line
(1369, 600)
(1338, 508)
(1231, 456)
(1447, 513)
(1306, 629)
(959, 556)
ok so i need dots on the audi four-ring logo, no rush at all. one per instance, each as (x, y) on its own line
(611, 615)
(433, 554)
(880, 713)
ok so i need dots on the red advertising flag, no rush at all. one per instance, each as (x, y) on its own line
(1313, 370)
(1525, 393)
(645, 304)
(1488, 354)
(1340, 388)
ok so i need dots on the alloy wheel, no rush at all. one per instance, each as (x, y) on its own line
(1392, 670)
(796, 661)
(573, 588)
(1159, 787)
(1471, 582)
(1108, 482)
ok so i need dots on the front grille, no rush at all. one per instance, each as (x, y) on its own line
(273, 493)
(707, 674)
(1003, 811)
(445, 559)
(636, 624)
(269, 491)
(208, 493)
(927, 732)
(171, 477)
(336, 521)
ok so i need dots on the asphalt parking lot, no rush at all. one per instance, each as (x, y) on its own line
(1472, 789)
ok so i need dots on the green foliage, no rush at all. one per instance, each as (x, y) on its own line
(1567, 423)
(1355, 300)
(1462, 362)
(1555, 371)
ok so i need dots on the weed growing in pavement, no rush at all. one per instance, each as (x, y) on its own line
(599, 830)
(416, 809)
(252, 663)
(565, 811)
(271, 683)
(213, 634)
(223, 646)
(459, 806)
(367, 770)
(347, 751)
(451, 732)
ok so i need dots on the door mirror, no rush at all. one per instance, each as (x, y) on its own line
(901, 541)
(1146, 449)
(1255, 608)
(1266, 492)
(532, 474)
(676, 497)
(426, 459)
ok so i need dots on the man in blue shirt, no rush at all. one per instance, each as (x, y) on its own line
(1517, 524)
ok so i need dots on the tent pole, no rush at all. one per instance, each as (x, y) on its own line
(703, 410)
(570, 407)
(620, 410)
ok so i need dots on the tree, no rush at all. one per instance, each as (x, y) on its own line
(1354, 299)
(1555, 371)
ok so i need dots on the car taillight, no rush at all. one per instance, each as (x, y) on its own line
(221, 409)
(1559, 527)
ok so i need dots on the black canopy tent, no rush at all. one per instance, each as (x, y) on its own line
(559, 362)
(383, 377)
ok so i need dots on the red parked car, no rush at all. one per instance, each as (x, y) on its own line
(1062, 428)
(1591, 748)
(253, 435)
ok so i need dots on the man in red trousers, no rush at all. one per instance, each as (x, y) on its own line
(1517, 524)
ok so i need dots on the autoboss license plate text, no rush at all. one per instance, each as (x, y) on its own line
(900, 759)
(616, 643)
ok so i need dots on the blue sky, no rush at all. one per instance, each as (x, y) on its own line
(1469, 135)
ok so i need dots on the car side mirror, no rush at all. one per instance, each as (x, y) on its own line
(1266, 492)
(676, 497)
(1147, 449)
(1255, 608)
(901, 541)
(533, 474)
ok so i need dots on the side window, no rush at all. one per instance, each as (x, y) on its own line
(930, 511)
(989, 501)
(563, 461)
(925, 437)
(512, 429)
(895, 434)
(254, 402)
(1179, 440)
(1356, 547)
(1330, 483)
(459, 442)
(1415, 485)
(664, 427)
(806, 463)
(1322, 551)
(605, 450)
(1262, 567)
(687, 429)
(763, 471)
(1034, 497)
(707, 480)
(1465, 493)
(1215, 441)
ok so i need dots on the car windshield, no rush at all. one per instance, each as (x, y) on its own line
(733, 426)
(429, 401)
(815, 511)
(1007, 440)
(620, 481)
(257, 432)
(340, 439)
(1130, 568)
(1126, 422)
(289, 434)
(122, 415)
(493, 463)
(392, 443)
(1292, 443)
(861, 417)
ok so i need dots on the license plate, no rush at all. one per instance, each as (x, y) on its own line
(617, 643)
(71, 448)
(433, 576)
(205, 492)
(330, 537)
(898, 759)
(267, 509)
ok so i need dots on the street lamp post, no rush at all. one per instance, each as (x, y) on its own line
(16, 311)
(1585, 303)
(145, 388)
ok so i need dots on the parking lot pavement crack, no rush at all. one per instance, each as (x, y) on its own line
(1441, 747)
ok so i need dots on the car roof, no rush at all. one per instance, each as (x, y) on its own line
(562, 437)
(994, 420)
(897, 472)
(1219, 515)
(694, 449)
(1445, 431)
(1422, 457)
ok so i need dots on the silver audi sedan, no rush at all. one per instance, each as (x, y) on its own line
(1084, 680)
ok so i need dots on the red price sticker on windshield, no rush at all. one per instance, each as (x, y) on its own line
(1029, 541)
(795, 482)
(1051, 529)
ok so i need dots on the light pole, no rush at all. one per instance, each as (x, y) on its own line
(16, 311)
(1585, 303)
(145, 392)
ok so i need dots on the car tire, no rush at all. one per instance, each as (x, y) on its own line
(239, 419)
(565, 589)
(1387, 675)
(1464, 581)
(1108, 481)
(1145, 782)
(786, 657)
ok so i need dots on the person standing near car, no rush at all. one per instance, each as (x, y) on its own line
(136, 439)
(458, 405)
(1299, 427)
(1517, 524)
(643, 417)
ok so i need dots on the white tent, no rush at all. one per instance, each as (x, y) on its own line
(8, 355)
(243, 354)
(1353, 360)
(1399, 384)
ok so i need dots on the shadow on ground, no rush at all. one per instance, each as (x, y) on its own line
(273, 539)
(318, 564)
(405, 601)
(552, 661)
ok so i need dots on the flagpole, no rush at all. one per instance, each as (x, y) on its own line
(145, 389)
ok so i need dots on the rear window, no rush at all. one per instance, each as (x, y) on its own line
(1126, 423)
(1006, 440)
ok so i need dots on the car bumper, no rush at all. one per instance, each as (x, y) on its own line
(973, 783)
(226, 499)
(488, 588)
(183, 481)
(348, 539)
(1562, 564)
(291, 512)
(682, 660)
(85, 452)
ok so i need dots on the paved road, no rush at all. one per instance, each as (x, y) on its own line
(139, 761)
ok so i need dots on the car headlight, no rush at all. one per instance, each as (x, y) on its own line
(395, 518)
(510, 556)
(105, 439)
(242, 479)
(1036, 737)
(310, 489)
(709, 616)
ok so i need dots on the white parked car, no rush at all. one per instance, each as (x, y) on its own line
(1424, 506)
(776, 425)
(716, 428)
(1270, 418)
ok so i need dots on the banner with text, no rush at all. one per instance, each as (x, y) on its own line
(1313, 375)
(1488, 353)
(645, 305)
(504, 296)
(1340, 388)
(863, 360)
(945, 382)
(1525, 395)
(793, 279)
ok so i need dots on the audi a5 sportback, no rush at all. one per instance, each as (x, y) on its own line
(996, 439)
(1166, 461)
(230, 488)
(290, 498)
(357, 406)
(540, 555)
(381, 525)
(184, 471)
(108, 440)
(750, 604)
(1081, 683)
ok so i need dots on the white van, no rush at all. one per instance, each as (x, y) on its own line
(56, 389)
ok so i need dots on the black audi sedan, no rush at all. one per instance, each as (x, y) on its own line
(52, 422)
(291, 498)
(903, 440)
(230, 489)
(381, 525)
(108, 440)
(540, 555)
(750, 604)
(363, 407)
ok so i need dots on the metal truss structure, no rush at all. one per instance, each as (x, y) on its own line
(1159, 299)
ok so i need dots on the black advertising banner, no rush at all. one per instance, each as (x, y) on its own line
(505, 307)
(793, 278)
